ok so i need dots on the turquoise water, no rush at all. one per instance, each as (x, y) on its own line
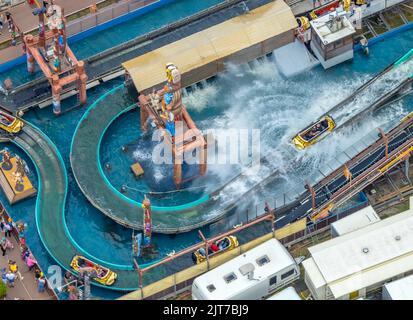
(119, 34)
(260, 98)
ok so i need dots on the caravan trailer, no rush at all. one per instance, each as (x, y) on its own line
(286, 294)
(251, 276)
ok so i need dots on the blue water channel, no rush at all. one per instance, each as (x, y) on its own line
(215, 106)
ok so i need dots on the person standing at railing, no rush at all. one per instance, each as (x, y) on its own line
(1, 22)
(3, 248)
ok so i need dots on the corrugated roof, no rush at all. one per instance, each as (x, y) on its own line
(212, 44)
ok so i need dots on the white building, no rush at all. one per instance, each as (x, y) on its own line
(349, 266)
(401, 289)
(354, 221)
(250, 276)
(286, 294)
(332, 38)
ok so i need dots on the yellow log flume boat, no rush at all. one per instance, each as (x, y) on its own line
(104, 275)
(10, 123)
(223, 245)
(314, 132)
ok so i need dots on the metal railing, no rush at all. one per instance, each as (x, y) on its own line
(170, 286)
(104, 15)
(165, 29)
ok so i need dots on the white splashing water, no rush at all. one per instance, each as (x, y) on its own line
(261, 99)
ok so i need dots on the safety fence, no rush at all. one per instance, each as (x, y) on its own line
(288, 235)
(6, 4)
(3, 213)
(106, 14)
(92, 23)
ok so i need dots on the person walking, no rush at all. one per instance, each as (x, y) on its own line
(267, 208)
(41, 284)
(31, 262)
(2, 226)
(10, 277)
(1, 22)
(3, 247)
(8, 226)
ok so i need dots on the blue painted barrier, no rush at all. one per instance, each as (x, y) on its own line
(386, 35)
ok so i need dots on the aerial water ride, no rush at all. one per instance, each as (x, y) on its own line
(216, 248)
(314, 132)
(166, 111)
(10, 123)
(330, 122)
(102, 275)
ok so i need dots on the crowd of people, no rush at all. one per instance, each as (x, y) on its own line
(10, 273)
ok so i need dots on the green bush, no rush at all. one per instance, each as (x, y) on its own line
(3, 290)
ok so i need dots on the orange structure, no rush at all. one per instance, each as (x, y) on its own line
(165, 108)
(54, 57)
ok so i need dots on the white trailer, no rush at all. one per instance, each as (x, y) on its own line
(401, 289)
(251, 276)
(286, 294)
(354, 221)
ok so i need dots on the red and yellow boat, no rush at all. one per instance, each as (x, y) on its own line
(224, 244)
(314, 133)
(104, 276)
(10, 123)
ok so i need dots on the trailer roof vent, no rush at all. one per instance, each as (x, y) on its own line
(246, 269)
(211, 288)
(366, 250)
(230, 277)
(397, 238)
(262, 260)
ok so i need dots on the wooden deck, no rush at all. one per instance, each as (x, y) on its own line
(8, 184)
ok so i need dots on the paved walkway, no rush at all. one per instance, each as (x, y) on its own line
(25, 289)
(22, 15)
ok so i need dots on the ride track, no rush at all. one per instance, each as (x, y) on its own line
(50, 207)
(53, 187)
(381, 101)
(99, 191)
(209, 208)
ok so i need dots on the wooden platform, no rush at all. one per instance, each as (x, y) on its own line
(137, 169)
(8, 184)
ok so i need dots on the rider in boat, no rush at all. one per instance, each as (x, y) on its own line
(223, 244)
(81, 263)
(316, 130)
(214, 247)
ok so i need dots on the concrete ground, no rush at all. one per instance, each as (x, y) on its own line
(25, 289)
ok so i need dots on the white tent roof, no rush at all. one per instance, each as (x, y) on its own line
(356, 221)
(401, 289)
